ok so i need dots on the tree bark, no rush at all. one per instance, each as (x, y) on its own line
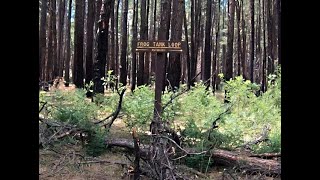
(42, 38)
(152, 34)
(174, 64)
(117, 41)
(124, 42)
(229, 56)
(147, 54)
(239, 50)
(252, 42)
(89, 54)
(264, 61)
(62, 5)
(102, 46)
(244, 45)
(143, 36)
(156, 127)
(187, 41)
(279, 30)
(193, 60)
(54, 36)
(49, 68)
(112, 45)
(216, 61)
(270, 30)
(207, 48)
(134, 38)
(78, 44)
(153, 56)
(68, 42)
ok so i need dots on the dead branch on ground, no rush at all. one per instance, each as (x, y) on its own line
(115, 113)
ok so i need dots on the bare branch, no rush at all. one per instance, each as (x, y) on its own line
(115, 114)
(172, 97)
(189, 153)
(105, 161)
(43, 105)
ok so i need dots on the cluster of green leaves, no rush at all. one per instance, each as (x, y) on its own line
(138, 108)
(248, 117)
(251, 114)
(194, 112)
(75, 109)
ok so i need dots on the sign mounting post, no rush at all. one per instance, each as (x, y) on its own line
(161, 47)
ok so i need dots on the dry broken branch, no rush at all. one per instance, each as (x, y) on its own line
(43, 105)
(115, 114)
(105, 161)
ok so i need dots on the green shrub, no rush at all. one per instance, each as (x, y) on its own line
(75, 109)
(138, 108)
(245, 121)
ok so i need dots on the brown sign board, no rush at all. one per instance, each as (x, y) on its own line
(159, 46)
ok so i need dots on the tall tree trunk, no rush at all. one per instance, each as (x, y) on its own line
(264, 62)
(258, 46)
(134, 38)
(156, 127)
(153, 56)
(215, 62)
(89, 54)
(97, 13)
(274, 30)
(112, 58)
(143, 36)
(244, 49)
(117, 41)
(252, 41)
(147, 54)
(229, 56)
(279, 30)
(198, 33)
(193, 60)
(78, 44)
(165, 78)
(62, 5)
(67, 62)
(187, 41)
(174, 65)
(239, 37)
(49, 68)
(102, 46)
(55, 40)
(207, 50)
(270, 25)
(112, 50)
(42, 38)
(223, 55)
(123, 68)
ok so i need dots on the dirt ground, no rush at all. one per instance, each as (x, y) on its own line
(67, 162)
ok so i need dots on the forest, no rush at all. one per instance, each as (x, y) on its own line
(160, 89)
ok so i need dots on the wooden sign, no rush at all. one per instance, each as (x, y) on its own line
(159, 46)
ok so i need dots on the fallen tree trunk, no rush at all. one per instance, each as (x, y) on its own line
(224, 157)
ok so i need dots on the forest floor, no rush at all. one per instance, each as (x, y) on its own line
(65, 162)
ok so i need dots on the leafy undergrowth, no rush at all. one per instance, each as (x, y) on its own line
(246, 118)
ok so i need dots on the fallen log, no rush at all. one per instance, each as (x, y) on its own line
(223, 157)
(267, 155)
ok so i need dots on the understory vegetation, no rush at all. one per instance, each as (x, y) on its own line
(247, 120)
